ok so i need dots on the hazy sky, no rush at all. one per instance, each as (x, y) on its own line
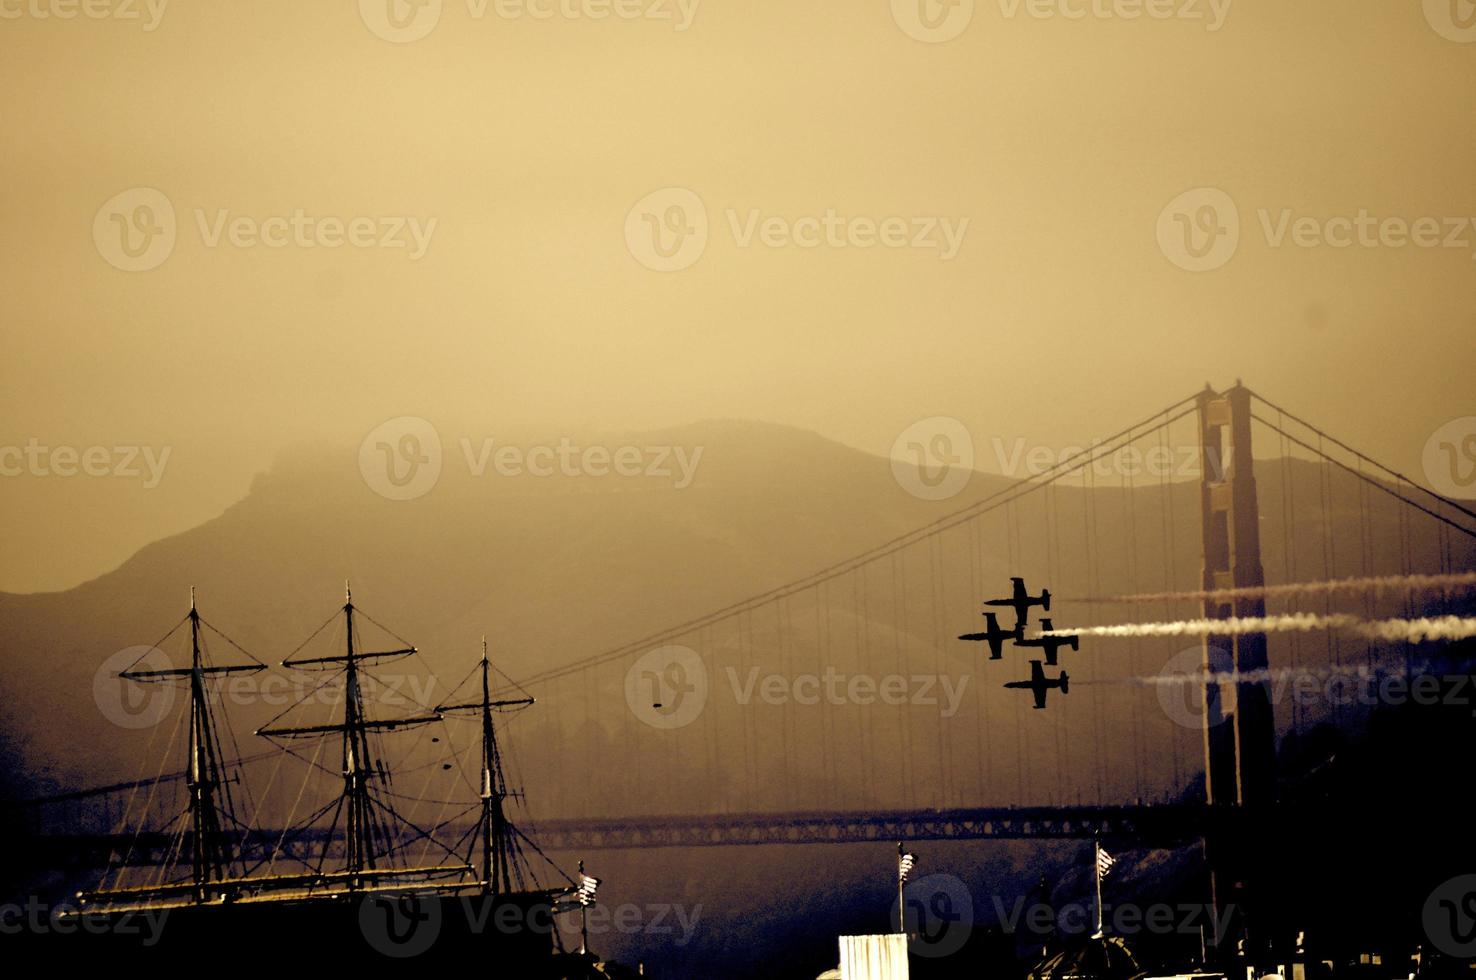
(1061, 310)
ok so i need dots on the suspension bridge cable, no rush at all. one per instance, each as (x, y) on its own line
(1469, 532)
(1060, 470)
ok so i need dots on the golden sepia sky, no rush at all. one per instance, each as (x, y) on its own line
(528, 140)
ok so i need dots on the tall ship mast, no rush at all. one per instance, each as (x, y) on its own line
(210, 831)
(367, 817)
(502, 858)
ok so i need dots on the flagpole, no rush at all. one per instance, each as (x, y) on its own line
(901, 909)
(583, 917)
(1097, 873)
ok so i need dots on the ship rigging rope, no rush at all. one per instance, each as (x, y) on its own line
(465, 838)
(428, 835)
(300, 701)
(155, 646)
(314, 634)
(496, 672)
(999, 498)
(138, 782)
(148, 800)
(430, 802)
(539, 851)
(287, 825)
(218, 771)
(266, 793)
(337, 805)
(176, 842)
(392, 633)
(271, 858)
(207, 624)
(460, 770)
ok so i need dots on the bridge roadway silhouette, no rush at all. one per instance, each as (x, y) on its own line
(1152, 824)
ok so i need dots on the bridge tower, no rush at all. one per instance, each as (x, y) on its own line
(1239, 727)
(1239, 734)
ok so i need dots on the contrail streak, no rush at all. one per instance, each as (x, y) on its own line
(1268, 675)
(1412, 630)
(1388, 584)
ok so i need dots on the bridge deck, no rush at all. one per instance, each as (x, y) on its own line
(1145, 824)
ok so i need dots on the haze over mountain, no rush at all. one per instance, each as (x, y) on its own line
(555, 569)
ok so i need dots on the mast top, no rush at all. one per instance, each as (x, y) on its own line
(192, 598)
(484, 648)
(348, 595)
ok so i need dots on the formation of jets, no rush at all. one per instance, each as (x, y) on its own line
(1021, 600)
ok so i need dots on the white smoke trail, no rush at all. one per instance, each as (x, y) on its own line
(1268, 675)
(1385, 584)
(1415, 630)
(1411, 630)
